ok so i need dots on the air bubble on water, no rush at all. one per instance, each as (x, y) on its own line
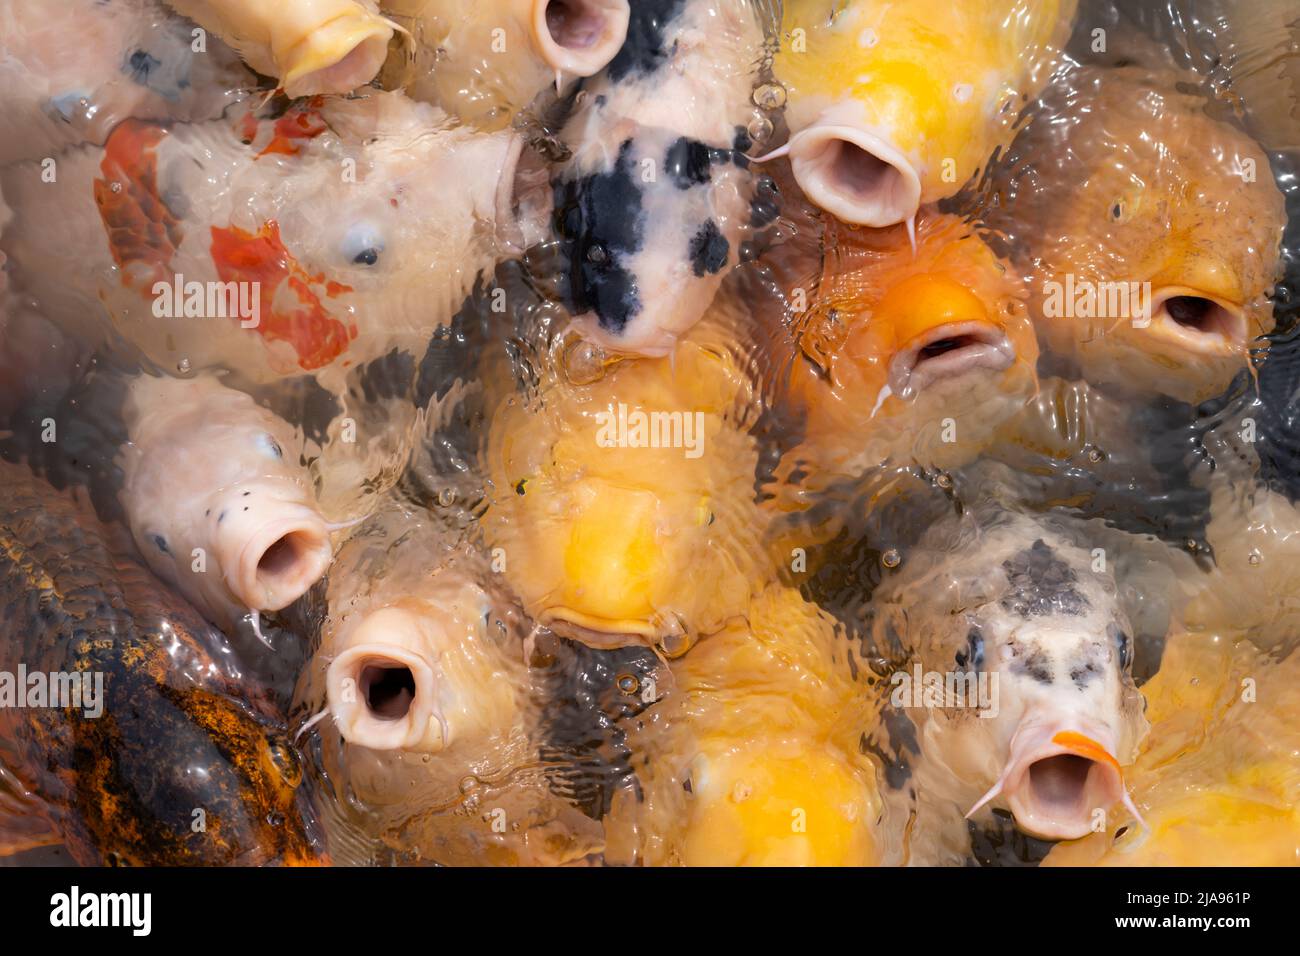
(770, 96)
(760, 128)
(741, 791)
(1255, 557)
(891, 558)
(584, 363)
(944, 481)
(183, 366)
(116, 187)
(447, 497)
(1095, 454)
(467, 784)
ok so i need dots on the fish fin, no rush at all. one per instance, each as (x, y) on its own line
(23, 823)
(25, 831)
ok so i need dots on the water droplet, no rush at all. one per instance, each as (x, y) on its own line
(770, 96)
(628, 683)
(584, 363)
(891, 558)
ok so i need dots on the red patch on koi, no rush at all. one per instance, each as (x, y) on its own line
(142, 232)
(315, 335)
(301, 122)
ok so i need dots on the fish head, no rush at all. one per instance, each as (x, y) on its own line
(398, 678)
(368, 206)
(1033, 637)
(1156, 234)
(744, 799)
(649, 223)
(933, 342)
(216, 504)
(611, 498)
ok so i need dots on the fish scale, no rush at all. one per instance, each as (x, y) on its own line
(121, 788)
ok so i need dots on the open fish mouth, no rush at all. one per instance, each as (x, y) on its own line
(381, 696)
(281, 563)
(600, 634)
(1197, 322)
(338, 56)
(1059, 782)
(949, 351)
(580, 36)
(853, 173)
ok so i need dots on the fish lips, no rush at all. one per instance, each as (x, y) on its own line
(1058, 776)
(947, 352)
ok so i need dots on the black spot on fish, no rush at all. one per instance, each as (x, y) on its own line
(160, 543)
(1084, 674)
(762, 212)
(140, 65)
(766, 204)
(708, 249)
(600, 223)
(687, 162)
(741, 143)
(1041, 583)
(1036, 664)
(221, 517)
(519, 486)
(646, 48)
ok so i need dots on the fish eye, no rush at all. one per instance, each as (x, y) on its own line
(1123, 645)
(362, 244)
(269, 446)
